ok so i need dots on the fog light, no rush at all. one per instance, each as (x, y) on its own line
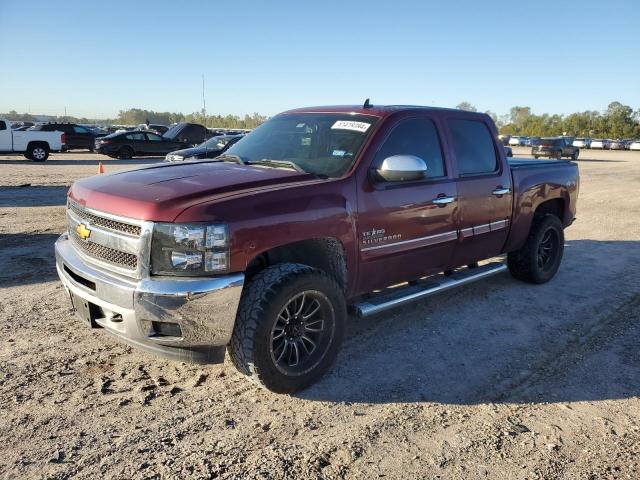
(166, 329)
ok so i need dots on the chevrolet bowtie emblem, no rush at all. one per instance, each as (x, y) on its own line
(83, 232)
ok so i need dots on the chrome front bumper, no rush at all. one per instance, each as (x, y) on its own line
(134, 310)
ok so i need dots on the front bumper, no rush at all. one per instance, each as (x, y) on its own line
(134, 310)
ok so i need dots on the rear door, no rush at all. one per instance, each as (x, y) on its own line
(156, 145)
(402, 233)
(138, 142)
(484, 188)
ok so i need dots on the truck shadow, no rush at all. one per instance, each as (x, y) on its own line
(33, 195)
(572, 339)
(27, 258)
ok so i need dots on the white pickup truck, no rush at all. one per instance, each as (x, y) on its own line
(35, 145)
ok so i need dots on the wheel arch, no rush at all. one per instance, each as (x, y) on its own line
(324, 253)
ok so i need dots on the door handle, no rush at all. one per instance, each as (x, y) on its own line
(443, 201)
(501, 191)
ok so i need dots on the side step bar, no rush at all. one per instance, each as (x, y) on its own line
(394, 297)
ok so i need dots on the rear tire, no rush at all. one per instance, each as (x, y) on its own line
(575, 155)
(38, 152)
(289, 327)
(125, 153)
(539, 258)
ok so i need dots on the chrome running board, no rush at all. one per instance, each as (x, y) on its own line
(397, 296)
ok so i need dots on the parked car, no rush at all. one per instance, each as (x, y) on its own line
(634, 145)
(618, 145)
(21, 124)
(210, 149)
(309, 216)
(77, 136)
(555, 147)
(153, 127)
(533, 141)
(517, 141)
(582, 142)
(136, 143)
(35, 145)
(504, 139)
(600, 144)
(508, 151)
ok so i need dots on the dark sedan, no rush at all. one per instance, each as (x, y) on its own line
(210, 149)
(130, 144)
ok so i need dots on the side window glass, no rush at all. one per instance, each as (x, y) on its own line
(78, 129)
(153, 137)
(418, 137)
(473, 146)
(3, 125)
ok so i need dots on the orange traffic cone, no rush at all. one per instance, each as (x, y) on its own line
(100, 168)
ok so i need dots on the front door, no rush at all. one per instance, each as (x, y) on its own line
(484, 190)
(402, 233)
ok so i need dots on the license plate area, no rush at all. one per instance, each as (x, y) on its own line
(86, 311)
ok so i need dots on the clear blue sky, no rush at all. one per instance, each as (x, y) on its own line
(96, 58)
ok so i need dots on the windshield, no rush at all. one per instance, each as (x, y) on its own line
(173, 131)
(215, 143)
(324, 144)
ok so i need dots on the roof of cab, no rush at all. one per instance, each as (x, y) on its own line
(374, 110)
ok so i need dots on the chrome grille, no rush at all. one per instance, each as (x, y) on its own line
(114, 225)
(106, 254)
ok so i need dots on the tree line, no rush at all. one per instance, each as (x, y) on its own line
(617, 121)
(135, 116)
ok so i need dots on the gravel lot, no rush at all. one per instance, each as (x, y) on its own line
(499, 380)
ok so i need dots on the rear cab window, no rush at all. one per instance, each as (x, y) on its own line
(473, 146)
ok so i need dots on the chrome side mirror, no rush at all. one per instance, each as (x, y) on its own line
(402, 168)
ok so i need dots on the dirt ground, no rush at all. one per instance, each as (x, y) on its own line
(497, 380)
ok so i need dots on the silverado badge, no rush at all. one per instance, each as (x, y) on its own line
(83, 232)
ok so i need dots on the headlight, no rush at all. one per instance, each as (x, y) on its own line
(189, 249)
(191, 159)
(173, 158)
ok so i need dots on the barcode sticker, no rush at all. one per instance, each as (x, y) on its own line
(350, 125)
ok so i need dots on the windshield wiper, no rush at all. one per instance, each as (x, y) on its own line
(226, 157)
(278, 164)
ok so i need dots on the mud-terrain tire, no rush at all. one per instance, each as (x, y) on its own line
(261, 330)
(539, 258)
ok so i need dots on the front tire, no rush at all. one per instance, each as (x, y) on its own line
(539, 258)
(289, 327)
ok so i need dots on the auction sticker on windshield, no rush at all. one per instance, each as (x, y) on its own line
(350, 125)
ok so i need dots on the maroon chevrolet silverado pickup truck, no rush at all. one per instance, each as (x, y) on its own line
(318, 213)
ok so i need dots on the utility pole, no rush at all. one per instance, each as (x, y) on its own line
(204, 103)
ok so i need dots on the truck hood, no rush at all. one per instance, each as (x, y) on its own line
(162, 192)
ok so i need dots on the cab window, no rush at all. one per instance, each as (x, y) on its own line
(418, 137)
